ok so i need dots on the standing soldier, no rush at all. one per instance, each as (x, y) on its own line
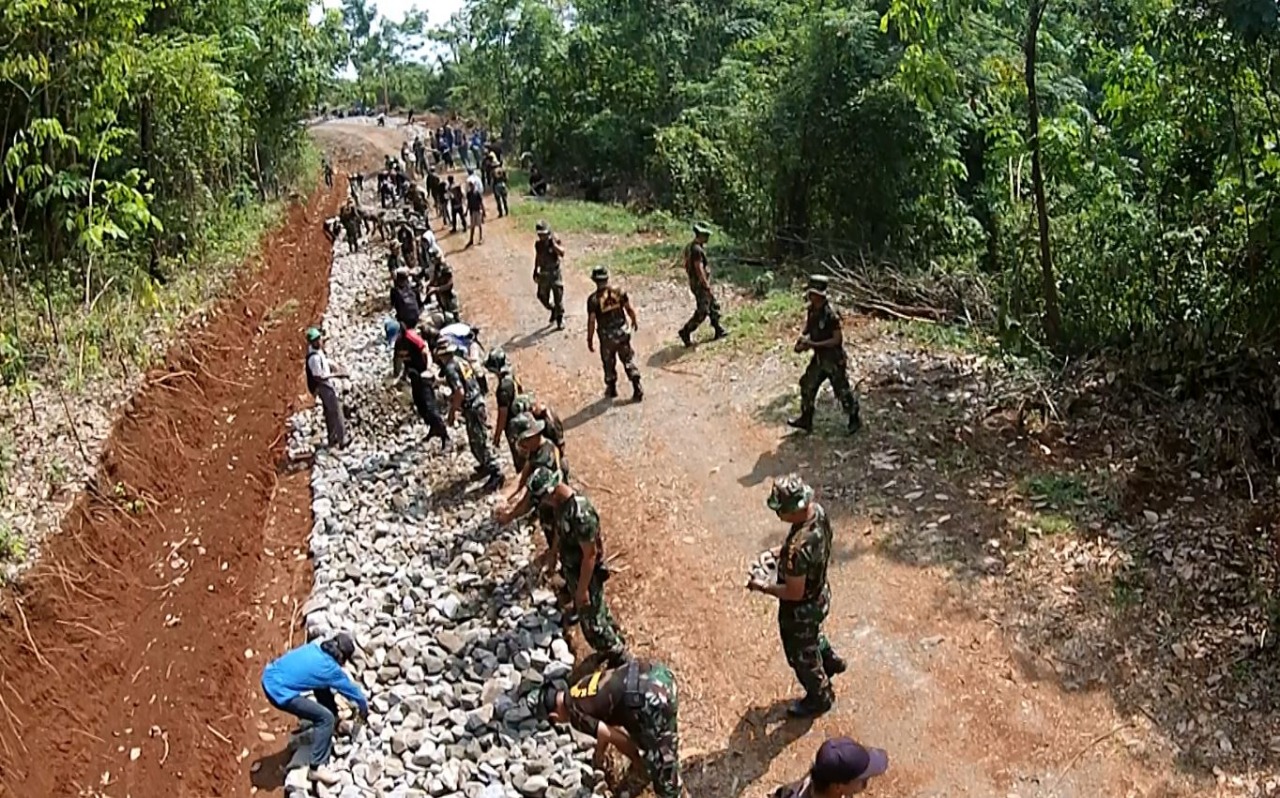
(320, 376)
(699, 272)
(580, 552)
(468, 398)
(350, 219)
(804, 598)
(823, 337)
(548, 256)
(328, 173)
(609, 309)
(633, 708)
(498, 177)
(504, 394)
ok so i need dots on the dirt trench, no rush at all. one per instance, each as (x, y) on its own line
(131, 650)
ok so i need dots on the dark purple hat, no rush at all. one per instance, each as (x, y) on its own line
(842, 760)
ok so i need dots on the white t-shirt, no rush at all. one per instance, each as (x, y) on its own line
(318, 363)
(474, 180)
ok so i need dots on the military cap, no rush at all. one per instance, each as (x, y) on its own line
(534, 429)
(789, 493)
(542, 227)
(543, 481)
(521, 423)
(523, 403)
(818, 284)
(700, 229)
(496, 360)
(600, 274)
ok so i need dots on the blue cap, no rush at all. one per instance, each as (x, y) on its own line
(840, 760)
(392, 328)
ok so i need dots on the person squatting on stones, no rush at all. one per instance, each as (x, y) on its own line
(504, 393)
(408, 247)
(441, 287)
(394, 261)
(804, 598)
(608, 311)
(351, 224)
(410, 352)
(698, 270)
(633, 708)
(320, 376)
(579, 550)
(405, 300)
(842, 768)
(315, 668)
(823, 337)
(468, 399)
(548, 258)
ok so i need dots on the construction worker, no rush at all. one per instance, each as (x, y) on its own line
(320, 375)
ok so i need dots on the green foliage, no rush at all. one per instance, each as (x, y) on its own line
(575, 216)
(12, 547)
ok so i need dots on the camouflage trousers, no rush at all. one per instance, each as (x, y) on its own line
(353, 236)
(707, 307)
(806, 647)
(611, 351)
(657, 732)
(478, 437)
(551, 295)
(821, 370)
(596, 622)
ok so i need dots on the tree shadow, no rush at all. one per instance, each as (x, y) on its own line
(268, 772)
(588, 413)
(752, 746)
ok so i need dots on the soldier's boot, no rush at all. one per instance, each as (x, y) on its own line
(855, 422)
(637, 393)
(685, 337)
(833, 663)
(802, 422)
(610, 390)
(720, 333)
(810, 707)
(557, 315)
(552, 320)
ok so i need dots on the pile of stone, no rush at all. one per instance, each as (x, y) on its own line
(455, 634)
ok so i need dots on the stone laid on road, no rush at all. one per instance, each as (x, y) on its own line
(453, 633)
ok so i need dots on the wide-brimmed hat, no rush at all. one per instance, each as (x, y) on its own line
(789, 493)
(817, 284)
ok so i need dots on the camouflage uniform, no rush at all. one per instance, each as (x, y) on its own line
(821, 324)
(695, 255)
(351, 224)
(649, 713)
(576, 524)
(806, 553)
(446, 300)
(547, 271)
(458, 374)
(504, 394)
(607, 304)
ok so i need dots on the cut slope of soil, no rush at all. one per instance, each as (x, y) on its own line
(126, 665)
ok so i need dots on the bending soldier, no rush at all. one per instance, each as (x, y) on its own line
(608, 311)
(504, 395)
(411, 353)
(468, 399)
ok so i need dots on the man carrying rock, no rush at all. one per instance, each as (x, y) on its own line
(411, 352)
(698, 270)
(468, 399)
(548, 256)
(804, 598)
(608, 310)
(315, 668)
(632, 708)
(823, 337)
(580, 552)
(320, 376)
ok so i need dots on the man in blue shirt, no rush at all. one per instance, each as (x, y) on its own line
(315, 668)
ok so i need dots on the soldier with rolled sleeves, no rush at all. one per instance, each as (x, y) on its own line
(538, 452)
(608, 311)
(548, 257)
(804, 598)
(698, 269)
(823, 337)
(468, 399)
(579, 550)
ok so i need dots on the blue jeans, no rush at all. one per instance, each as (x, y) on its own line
(322, 714)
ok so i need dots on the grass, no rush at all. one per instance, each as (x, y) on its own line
(954, 337)
(1059, 490)
(577, 216)
(755, 323)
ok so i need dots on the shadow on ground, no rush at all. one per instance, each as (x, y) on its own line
(760, 735)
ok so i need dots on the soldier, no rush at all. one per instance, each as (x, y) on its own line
(633, 708)
(410, 350)
(841, 768)
(468, 398)
(442, 287)
(699, 272)
(408, 246)
(548, 255)
(580, 552)
(537, 452)
(394, 261)
(328, 173)
(498, 179)
(504, 395)
(332, 226)
(609, 309)
(823, 337)
(351, 224)
(457, 206)
(804, 598)
(552, 426)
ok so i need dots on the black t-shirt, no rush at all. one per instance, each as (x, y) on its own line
(405, 301)
(475, 201)
(597, 698)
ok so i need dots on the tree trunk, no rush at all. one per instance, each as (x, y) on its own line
(1051, 317)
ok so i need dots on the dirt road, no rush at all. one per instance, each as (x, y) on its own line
(681, 482)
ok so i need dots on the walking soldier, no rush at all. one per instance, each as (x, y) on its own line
(608, 311)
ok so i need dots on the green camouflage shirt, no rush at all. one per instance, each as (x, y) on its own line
(806, 552)
(822, 324)
(607, 305)
(577, 524)
(694, 254)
